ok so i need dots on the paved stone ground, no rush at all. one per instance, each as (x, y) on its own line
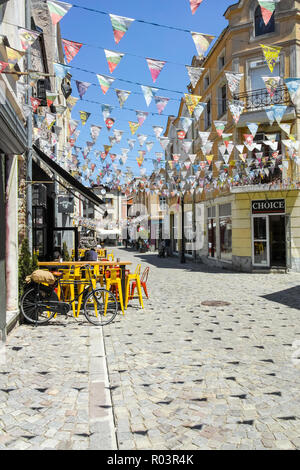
(54, 390)
(186, 376)
(181, 375)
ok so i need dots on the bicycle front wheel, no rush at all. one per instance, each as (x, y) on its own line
(100, 307)
(33, 306)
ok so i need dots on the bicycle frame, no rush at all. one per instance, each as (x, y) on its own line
(75, 282)
(62, 302)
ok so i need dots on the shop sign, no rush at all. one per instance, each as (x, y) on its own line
(269, 206)
(65, 205)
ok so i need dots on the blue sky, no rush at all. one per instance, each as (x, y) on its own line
(141, 41)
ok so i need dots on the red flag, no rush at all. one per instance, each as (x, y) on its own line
(71, 49)
(3, 66)
(35, 102)
(194, 5)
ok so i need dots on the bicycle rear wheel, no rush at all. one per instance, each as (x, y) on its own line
(33, 306)
(100, 307)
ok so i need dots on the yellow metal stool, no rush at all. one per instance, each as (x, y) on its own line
(113, 278)
(81, 286)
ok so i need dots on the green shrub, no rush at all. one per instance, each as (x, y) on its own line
(27, 264)
(65, 253)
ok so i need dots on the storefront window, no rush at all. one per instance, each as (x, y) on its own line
(225, 223)
(188, 232)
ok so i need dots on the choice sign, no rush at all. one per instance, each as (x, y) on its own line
(271, 206)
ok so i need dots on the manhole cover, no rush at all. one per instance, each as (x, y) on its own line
(215, 303)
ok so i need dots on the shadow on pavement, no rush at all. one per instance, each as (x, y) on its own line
(289, 297)
(173, 262)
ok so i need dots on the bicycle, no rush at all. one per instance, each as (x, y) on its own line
(40, 303)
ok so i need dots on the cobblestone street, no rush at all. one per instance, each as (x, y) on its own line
(182, 375)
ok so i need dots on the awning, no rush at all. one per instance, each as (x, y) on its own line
(58, 170)
(106, 233)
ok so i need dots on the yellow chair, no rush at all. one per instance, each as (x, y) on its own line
(99, 274)
(113, 279)
(71, 275)
(136, 278)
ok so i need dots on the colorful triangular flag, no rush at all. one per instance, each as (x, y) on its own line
(271, 55)
(148, 92)
(271, 84)
(27, 37)
(293, 85)
(3, 65)
(194, 74)
(84, 115)
(161, 103)
(155, 67)
(191, 102)
(267, 9)
(122, 96)
(95, 131)
(133, 126)
(220, 126)
(233, 80)
(113, 59)
(236, 107)
(82, 88)
(71, 49)
(106, 110)
(120, 25)
(61, 70)
(105, 82)
(194, 4)
(202, 42)
(13, 56)
(157, 131)
(141, 117)
(57, 10)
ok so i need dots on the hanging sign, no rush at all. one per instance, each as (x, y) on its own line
(276, 206)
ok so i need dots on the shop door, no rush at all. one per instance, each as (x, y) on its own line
(261, 255)
(277, 228)
(271, 241)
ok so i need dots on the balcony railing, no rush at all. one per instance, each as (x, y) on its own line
(259, 99)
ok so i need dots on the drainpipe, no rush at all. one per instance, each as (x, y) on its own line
(29, 136)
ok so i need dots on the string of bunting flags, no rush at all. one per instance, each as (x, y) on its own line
(203, 171)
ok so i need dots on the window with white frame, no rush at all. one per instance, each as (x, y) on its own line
(259, 69)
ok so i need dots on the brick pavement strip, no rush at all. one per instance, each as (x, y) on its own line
(180, 375)
(54, 389)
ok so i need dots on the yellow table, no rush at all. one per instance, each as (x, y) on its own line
(107, 264)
